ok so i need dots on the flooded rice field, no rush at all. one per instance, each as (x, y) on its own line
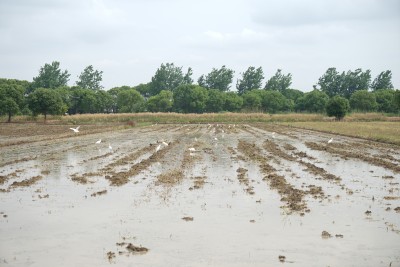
(196, 195)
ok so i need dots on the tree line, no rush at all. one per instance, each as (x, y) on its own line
(173, 90)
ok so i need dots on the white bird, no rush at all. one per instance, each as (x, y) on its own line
(273, 135)
(330, 141)
(109, 146)
(191, 149)
(76, 130)
(215, 138)
(165, 143)
(158, 148)
(98, 142)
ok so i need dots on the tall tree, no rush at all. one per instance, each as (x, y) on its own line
(251, 79)
(356, 80)
(187, 79)
(279, 82)
(90, 79)
(46, 101)
(51, 76)
(167, 77)
(217, 79)
(331, 82)
(314, 101)
(383, 81)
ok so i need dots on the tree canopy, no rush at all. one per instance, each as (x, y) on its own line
(168, 77)
(90, 79)
(51, 76)
(279, 82)
(251, 79)
(383, 81)
(46, 101)
(220, 79)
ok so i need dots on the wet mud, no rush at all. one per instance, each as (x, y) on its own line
(261, 195)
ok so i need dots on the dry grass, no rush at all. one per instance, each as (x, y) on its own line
(383, 131)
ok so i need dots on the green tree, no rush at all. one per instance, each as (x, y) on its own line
(11, 99)
(9, 107)
(385, 100)
(90, 79)
(356, 80)
(163, 102)
(251, 79)
(187, 79)
(274, 101)
(252, 100)
(383, 81)
(233, 102)
(104, 102)
(292, 94)
(190, 98)
(314, 101)
(397, 100)
(332, 82)
(129, 101)
(337, 106)
(363, 100)
(215, 101)
(167, 77)
(143, 89)
(279, 82)
(83, 101)
(14, 82)
(46, 101)
(50, 76)
(217, 79)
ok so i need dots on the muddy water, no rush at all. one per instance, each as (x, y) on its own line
(231, 218)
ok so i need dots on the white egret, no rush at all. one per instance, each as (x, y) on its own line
(165, 143)
(191, 149)
(76, 130)
(98, 142)
(109, 146)
(158, 148)
(330, 141)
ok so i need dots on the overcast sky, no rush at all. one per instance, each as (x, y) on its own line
(128, 40)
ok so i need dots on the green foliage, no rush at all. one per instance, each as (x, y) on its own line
(252, 100)
(383, 81)
(337, 106)
(46, 101)
(90, 79)
(50, 76)
(104, 102)
(344, 84)
(397, 100)
(314, 101)
(167, 77)
(190, 98)
(163, 102)
(292, 94)
(356, 80)
(385, 98)
(217, 79)
(331, 82)
(187, 79)
(9, 107)
(251, 79)
(279, 82)
(130, 101)
(363, 100)
(143, 89)
(11, 99)
(274, 101)
(233, 102)
(215, 101)
(13, 82)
